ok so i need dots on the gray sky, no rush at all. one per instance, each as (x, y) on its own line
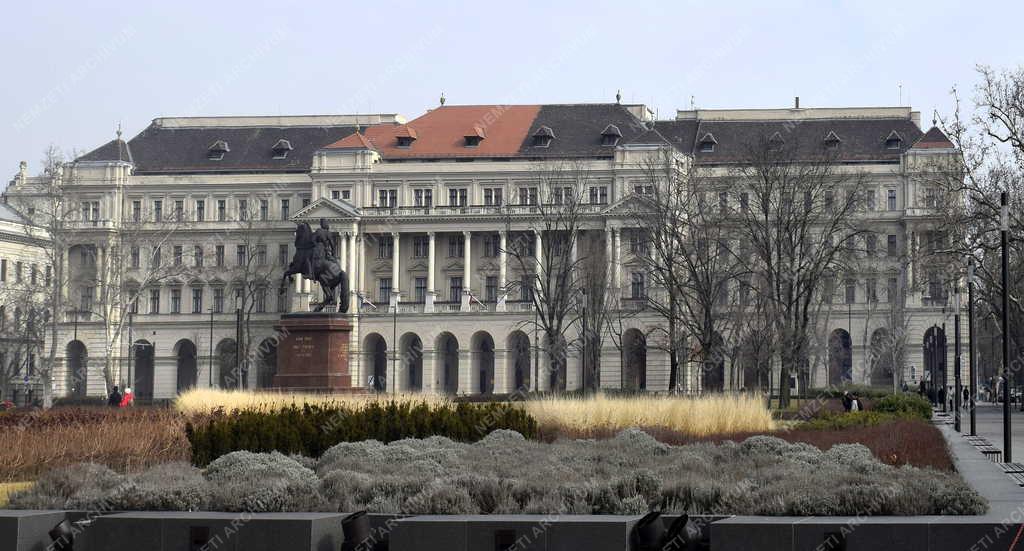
(74, 71)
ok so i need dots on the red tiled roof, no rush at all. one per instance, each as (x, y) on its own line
(355, 140)
(933, 139)
(442, 132)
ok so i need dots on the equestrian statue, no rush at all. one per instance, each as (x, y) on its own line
(315, 259)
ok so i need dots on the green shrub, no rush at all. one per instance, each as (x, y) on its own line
(859, 390)
(905, 404)
(311, 430)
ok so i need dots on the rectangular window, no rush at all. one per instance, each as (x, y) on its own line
(282, 298)
(493, 196)
(891, 199)
(177, 255)
(243, 209)
(197, 256)
(830, 200)
(527, 196)
(264, 209)
(261, 300)
(491, 289)
(869, 199)
(384, 289)
(197, 301)
(931, 197)
(423, 197)
(644, 190)
(175, 301)
(935, 290)
(455, 289)
(154, 301)
(200, 210)
(335, 194)
(240, 254)
(219, 256)
(3, 270)
(458, 197)
(851, 291)
(385, 246)
(744, 201)
(179, 210)
(890, 245)
(743, 293)
(492, 244)
(420, 246)
(285, 209)
(387, 198)
(599, 195)
(261, 254)
(156, 257)
(136, 211)
(17, 271)
(723, 202)
(456, 247)
(892, 292)
(871, 244)
(638, 242)
(85, 302)
(637, 286)
(222, 210)
(871, 287)
(346, 194)
(526, 289)
(421, 289)
(158, 211)
(134, 257)
(305, 201)
(282, 254)
(218, 300)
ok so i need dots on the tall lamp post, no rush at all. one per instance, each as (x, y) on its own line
(583, 374)
(1004, 222)
(970, 345)
(956, 367)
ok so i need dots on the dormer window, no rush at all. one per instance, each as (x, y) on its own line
(405, 137)
(832, 140)
(610, 136)
(217, 150)
(543, 136)
(281, 148)
(707, 143)
(474, 137)
(893, 141)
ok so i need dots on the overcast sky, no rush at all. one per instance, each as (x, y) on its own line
(73, 71)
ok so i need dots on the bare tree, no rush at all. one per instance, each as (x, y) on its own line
(549, 260)
(799, 209)
(683, 239)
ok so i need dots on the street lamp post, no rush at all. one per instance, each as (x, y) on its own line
(583, 374)
(1004, 222)
(956, 367)
(970, 345)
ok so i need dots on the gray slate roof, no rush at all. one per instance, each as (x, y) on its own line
(578, 127)
(159, 150)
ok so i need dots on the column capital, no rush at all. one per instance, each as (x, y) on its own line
(396, 235)
(431, 233)
(466, 233)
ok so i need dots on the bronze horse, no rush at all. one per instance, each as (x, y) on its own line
(314, 260)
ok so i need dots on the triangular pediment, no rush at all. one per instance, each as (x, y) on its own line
(324, 207)
(628, 205)
(418, 266)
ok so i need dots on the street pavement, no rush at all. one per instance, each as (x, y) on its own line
(990, 425)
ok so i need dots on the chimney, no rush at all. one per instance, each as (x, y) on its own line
(796, 102)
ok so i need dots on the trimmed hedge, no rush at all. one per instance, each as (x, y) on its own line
(311, 430)
(905, 404)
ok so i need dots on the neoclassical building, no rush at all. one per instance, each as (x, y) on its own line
(424, 212)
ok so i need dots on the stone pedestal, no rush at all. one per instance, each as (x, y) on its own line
(313, 353)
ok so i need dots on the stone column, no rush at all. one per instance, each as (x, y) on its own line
(467, 271)
(361, 253)
(428, 305)
(617, 262)
(395, 271)
(502, 271)
(353, 255)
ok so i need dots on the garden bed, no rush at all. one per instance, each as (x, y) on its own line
(505, 473)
